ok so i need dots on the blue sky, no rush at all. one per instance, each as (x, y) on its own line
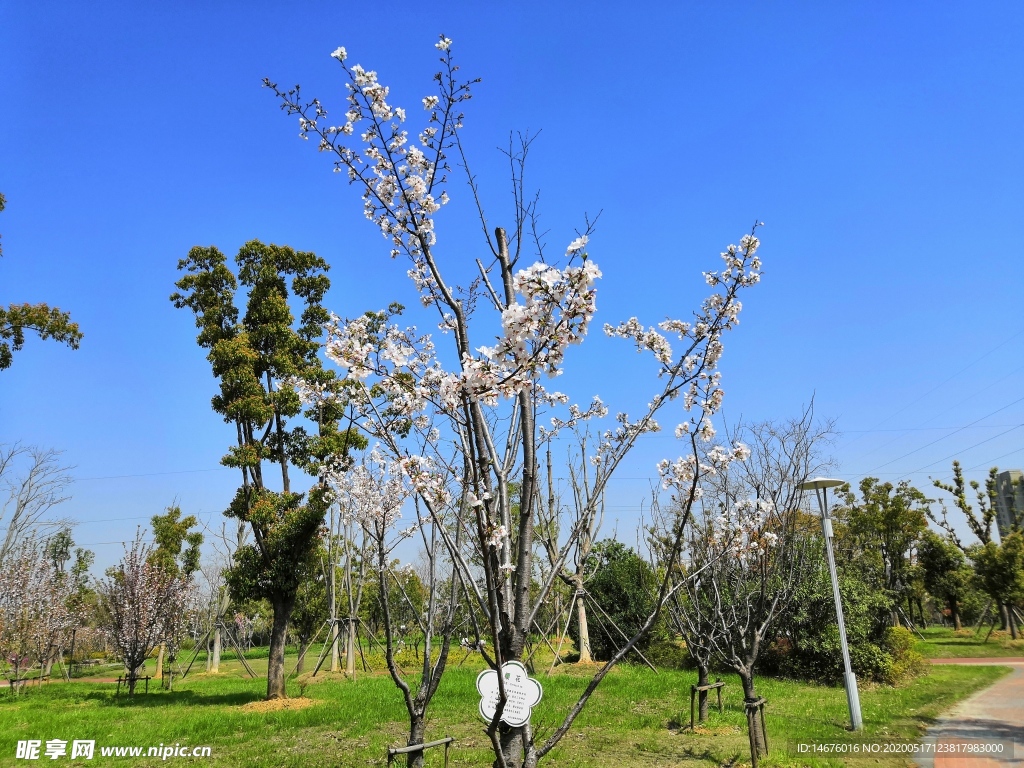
(879, 142)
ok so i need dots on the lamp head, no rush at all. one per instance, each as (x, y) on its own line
(820, 482)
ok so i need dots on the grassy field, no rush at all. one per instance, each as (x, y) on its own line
(635, 719)
(940, 642)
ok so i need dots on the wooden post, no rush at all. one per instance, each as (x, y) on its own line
(750, 737)
(764, 727)
(717, 685)
(394, 751)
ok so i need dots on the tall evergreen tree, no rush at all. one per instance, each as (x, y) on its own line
(254, 359)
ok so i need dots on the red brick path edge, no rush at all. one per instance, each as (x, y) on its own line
(993, 715)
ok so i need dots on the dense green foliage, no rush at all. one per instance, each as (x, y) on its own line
(947, 575)
(255, 360)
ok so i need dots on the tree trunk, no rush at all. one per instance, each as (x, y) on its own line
(215, 664)
(581, 617)
(350, 650)
(133, 676)
(335, 642)
(301, 663)
(222, 608)
(1004, 617)
(283, 605)
(1012, 621)
(954, 614)
(417, 730)
(702, 696)
(757, 746)
(332, 594)
(517, 746)
(159, 674)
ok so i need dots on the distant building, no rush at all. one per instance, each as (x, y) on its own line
(1009, 499)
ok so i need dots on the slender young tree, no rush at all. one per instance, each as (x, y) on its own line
(749, 549)
(177, 552)
(980, 521)
(698, 628)
(486, 409)
(587, 516)
(373, 493)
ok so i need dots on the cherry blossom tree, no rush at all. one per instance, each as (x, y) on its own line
(373, 493)
(37, 607)
(483, 404)
(748, 547)
(144, 604)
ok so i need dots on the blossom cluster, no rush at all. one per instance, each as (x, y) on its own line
(555, 309)
(743, 531)
(681, 473)
(372, 493)
(554, 312)
(696, 368)
(400, 176)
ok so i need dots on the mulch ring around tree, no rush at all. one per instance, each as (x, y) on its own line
(276, 705)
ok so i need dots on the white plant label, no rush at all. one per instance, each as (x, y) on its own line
(523, 693)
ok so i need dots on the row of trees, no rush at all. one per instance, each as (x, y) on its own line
(47, 598)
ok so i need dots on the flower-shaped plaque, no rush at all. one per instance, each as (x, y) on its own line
(522, 691)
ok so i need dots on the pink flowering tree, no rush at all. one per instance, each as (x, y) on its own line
(467, 420)
(37, 608)
(144, 604)
(373, 494)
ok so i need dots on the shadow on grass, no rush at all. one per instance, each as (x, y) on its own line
(174, 698)
(705, 755)
(961, 642)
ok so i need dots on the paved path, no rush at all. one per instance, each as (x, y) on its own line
(995, 714)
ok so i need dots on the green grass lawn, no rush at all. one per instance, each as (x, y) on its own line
(633, 720)
(940, 642)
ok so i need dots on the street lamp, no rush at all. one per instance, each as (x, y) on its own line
(820, 486)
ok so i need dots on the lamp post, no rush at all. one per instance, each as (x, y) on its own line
(820, 485)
